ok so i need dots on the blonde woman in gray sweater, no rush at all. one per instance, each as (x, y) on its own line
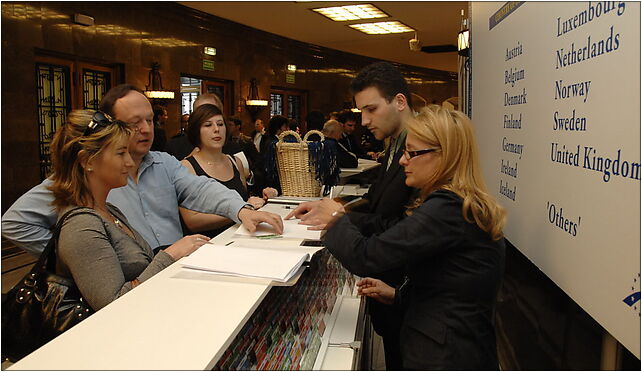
(97, 246)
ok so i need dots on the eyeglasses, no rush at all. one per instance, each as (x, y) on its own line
(99, 120)
(411, 154)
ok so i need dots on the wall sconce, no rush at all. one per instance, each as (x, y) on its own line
(210, 51)
(253, 103)
(463, 38)
(291, 68)
(154, 88)
(463, 43)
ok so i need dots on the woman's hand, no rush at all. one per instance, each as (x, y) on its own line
(317, 214)
(269, 192)
(256, 202)
(186, 245)
(376, 289)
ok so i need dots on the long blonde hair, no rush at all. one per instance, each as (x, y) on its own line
(70, 148)
(451, 131)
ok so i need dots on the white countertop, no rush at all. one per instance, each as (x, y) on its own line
(178, 319)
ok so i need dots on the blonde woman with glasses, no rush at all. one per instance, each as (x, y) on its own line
(450, 246)
(97, 246)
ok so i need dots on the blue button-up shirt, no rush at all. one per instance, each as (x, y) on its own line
(151, 205)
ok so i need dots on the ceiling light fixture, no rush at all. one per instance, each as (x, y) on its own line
(351, 12)
(380, 28)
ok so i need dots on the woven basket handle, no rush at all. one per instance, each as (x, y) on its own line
(314, 131)
(288, 133)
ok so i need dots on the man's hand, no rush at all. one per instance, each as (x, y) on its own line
(303, 209)
(251, 219)
(316, 214)
(376, 289)
(270, 192)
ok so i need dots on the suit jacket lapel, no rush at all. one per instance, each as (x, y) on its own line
(384, 179)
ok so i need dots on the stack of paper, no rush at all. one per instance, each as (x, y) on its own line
(247, 262)
(291, 229)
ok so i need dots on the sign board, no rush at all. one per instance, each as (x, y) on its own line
(208, 65)
(556, 106)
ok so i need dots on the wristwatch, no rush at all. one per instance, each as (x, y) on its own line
(249, 206)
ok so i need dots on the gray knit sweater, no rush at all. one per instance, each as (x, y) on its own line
(102, 258)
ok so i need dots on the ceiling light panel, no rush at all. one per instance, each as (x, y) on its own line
(351, 12)
(380, 28)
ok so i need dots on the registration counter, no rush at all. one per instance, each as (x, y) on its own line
(195, 320)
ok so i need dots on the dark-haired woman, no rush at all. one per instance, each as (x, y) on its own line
(207, 131)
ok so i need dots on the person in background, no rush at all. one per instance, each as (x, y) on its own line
(372, 146)
(257, 133)
(314, 121)
(382, 95)
(349, 121)
(184, 122)
(97, 245)
(207, 131)
(157, 185)
(234, 128)
(333, 131)
(451, 246)
(237, 142)
(181, 147)
(293, 126)
(276, 126)
(210, 98)
(160, 137)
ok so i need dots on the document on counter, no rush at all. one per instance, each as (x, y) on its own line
(366, 162)
(247, 262)
(291, 229)
(293, 199)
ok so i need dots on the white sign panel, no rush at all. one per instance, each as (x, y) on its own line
(556, 105)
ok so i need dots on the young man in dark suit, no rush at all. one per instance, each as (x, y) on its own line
(382, 95)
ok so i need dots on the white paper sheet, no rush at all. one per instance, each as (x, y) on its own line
(291, 229)
(246, 262)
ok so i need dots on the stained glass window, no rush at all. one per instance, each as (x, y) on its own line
(52, 85)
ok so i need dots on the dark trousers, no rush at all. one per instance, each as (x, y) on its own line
(386, 321)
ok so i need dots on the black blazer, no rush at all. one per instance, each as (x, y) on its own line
(345, 159)
(179, 146)
(351, 144)
(387, 198)
(454, 271)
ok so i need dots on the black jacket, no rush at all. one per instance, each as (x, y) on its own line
(352, 145)
(179, 146)
(387, 199)
(254, 159)
(454, 271)
(345, 159)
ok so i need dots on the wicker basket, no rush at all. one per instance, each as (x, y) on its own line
(296, 176)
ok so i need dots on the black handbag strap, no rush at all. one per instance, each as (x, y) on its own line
(50, 250)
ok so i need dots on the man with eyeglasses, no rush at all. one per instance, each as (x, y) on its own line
(157, 185)
(382, 95)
